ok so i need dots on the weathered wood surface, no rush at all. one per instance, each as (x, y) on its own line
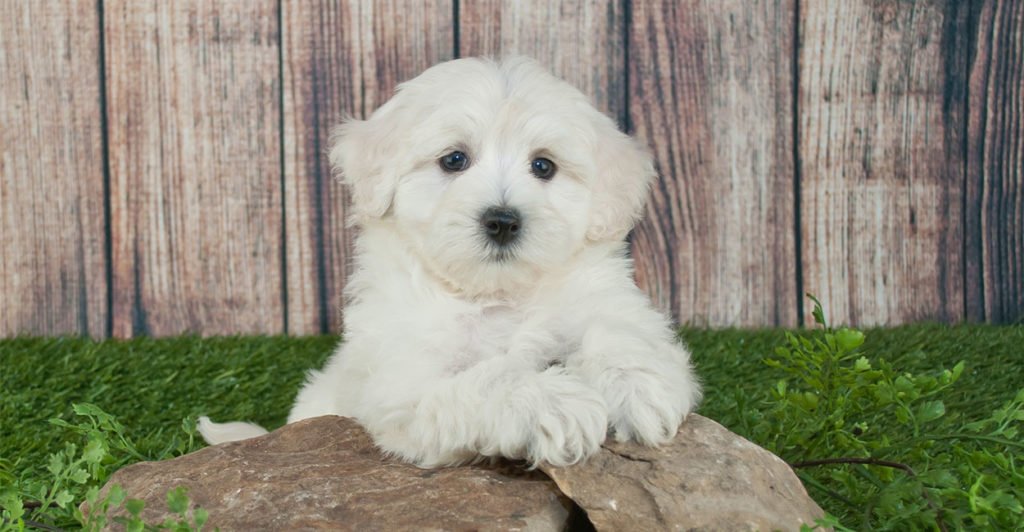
(711, 91)
(581, 41)
(340, 58)
(878, 163)
(995, 165)
(881, 166)
(53, 260)
(195, 167)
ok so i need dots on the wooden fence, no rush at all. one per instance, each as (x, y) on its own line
(163, 163)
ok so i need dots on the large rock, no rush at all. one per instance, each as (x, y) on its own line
(325, 473)
(707, 479)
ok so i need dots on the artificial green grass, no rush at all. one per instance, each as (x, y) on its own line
(150, 385)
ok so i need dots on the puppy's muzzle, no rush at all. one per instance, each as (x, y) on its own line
(501, 224)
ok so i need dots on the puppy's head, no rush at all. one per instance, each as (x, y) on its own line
(493, 173)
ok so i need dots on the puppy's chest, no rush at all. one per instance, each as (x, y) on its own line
(505, 331)
(491, 328)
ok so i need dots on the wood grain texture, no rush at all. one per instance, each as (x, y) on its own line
(196, 221)
(995, 166)
(340, 58)
(53, 277)
(581, 41)
(711, 91)
(881, 159)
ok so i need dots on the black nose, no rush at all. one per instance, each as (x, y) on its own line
(501, 224)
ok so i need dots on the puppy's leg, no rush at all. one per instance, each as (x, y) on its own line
(498, 407)
(645, 379)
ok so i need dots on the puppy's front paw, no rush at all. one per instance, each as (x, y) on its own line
(648, 407)
(558, 419)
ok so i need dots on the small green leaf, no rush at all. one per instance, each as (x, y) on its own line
(862, 364)
(116, 495)
(80, 476)
(135, 525)
(61, 423)
(13, 505)
(930, 411)
(199, 517)
(63, 498)
(56, 463)
(941, 478)
(903, 385)
(957, 370)
(818, 313)
(134, 506)
(177, 500)
(92, 495)
(849, 339)
(976, 426)
(87, 409)
(94, 451)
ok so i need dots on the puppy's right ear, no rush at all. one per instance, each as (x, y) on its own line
(359, 156)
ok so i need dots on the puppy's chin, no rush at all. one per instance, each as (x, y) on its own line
(499, 273)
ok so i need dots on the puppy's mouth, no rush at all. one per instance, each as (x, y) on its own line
(502, 254)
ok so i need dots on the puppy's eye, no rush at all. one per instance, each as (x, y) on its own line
(455, 161)
(542, 168)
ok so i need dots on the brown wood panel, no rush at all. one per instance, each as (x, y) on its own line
(995, 165)
(581, 41)
(53, 268)
(711, 89)
(882, 159)
(196, 221)
(339, 58)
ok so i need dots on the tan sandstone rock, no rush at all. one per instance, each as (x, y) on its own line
(707, 479)
(326, 474)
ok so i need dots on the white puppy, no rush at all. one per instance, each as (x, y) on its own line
(492, 310)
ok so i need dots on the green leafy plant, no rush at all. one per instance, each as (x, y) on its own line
(878, 445)
(177, 501)
(77, 473)
(49, 502)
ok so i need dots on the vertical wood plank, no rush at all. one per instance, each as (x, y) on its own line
(341, 57)
(581, 41)
(995, 166)
(881, 159)
(711, 89)
(53, 277)
(193, 106)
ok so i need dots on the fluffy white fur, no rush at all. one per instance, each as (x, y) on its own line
(456, 348)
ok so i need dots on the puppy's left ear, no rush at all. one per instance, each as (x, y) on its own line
(359, 155)
(624, 174)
